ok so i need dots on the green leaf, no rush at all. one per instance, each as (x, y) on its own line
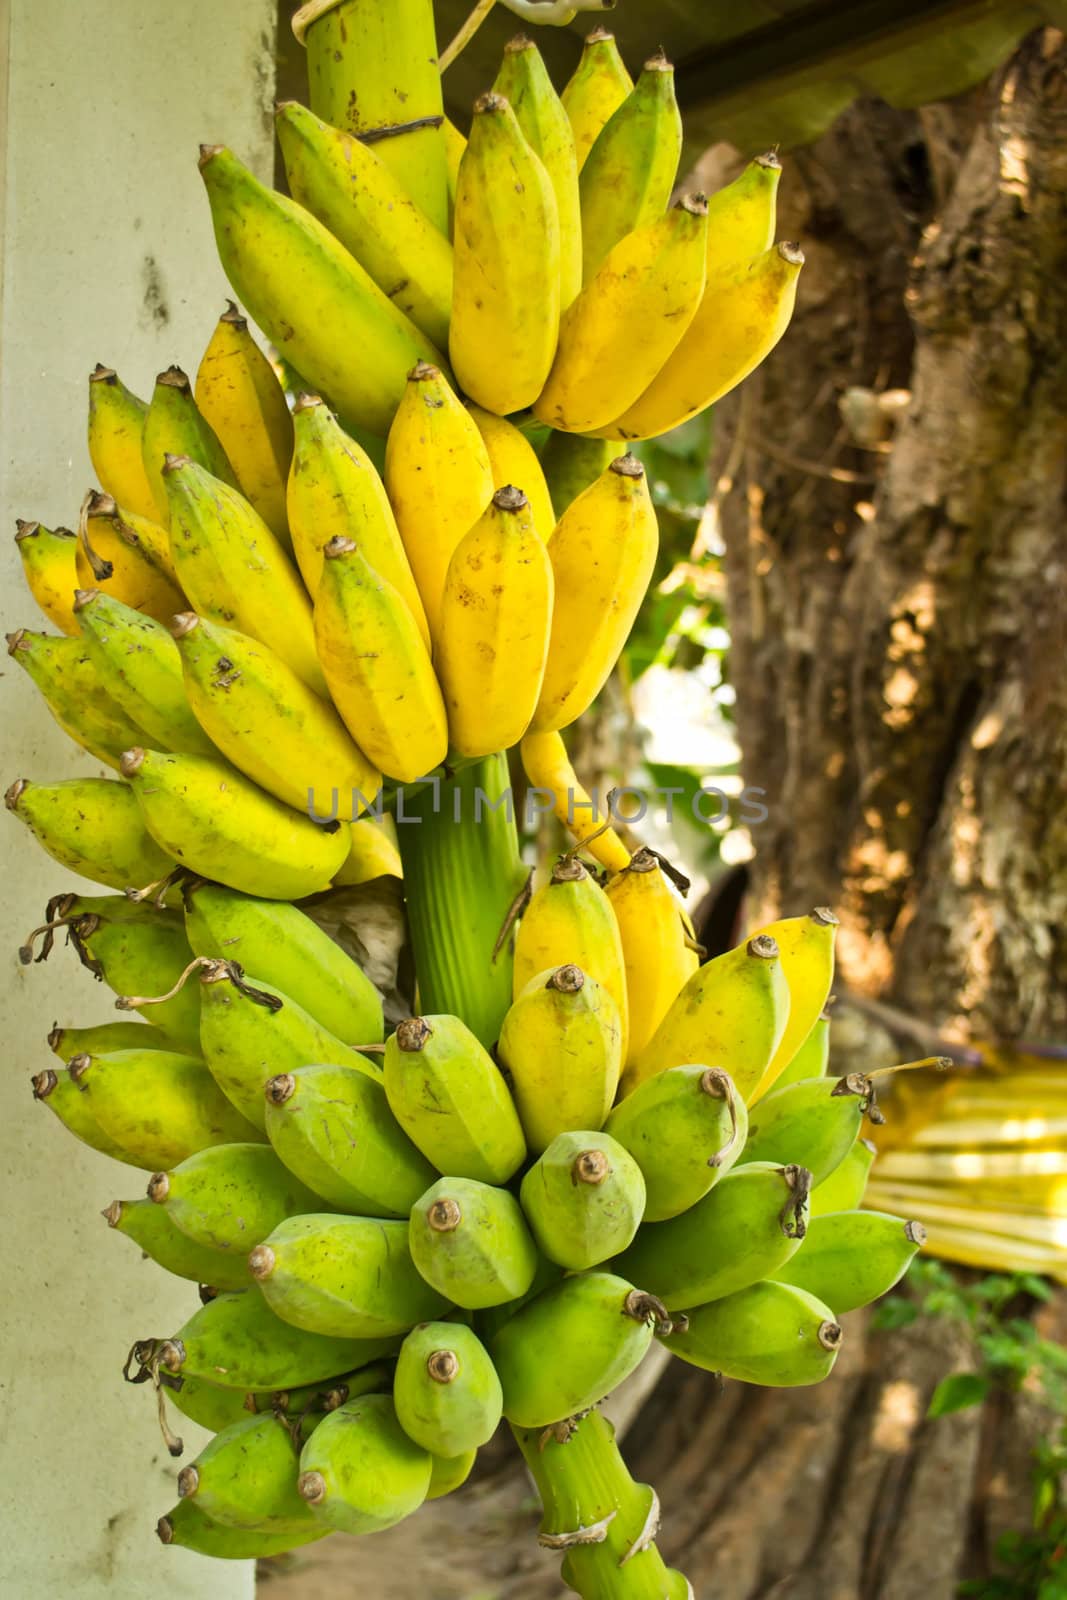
(956, 1392)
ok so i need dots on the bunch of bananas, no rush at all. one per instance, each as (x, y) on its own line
(492, 1211)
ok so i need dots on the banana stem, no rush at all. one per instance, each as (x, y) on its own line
(594, 1511)
(465, 34)
(462, 870)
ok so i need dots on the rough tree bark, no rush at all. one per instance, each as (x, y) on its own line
(898, 617)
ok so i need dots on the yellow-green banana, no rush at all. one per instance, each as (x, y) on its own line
(471, 1242)
(126, 561)
(550, 774)
(186, 1526)
(160, 1106)
(561, 1043)
(373, 852)
(806, 948)
(493, 631)
(731, 1013)
(266, 720)
(239, 397)
(141, 953)
(439, 477)
(152, 1230)
(685, 1128)
(738, 324)
(571, 921)
(212, 820)
(94, 827)
(817, 1121)
(50, 570)
(514, 462)
(583, 1198)
(230, 1196)
(603, 553)
(246, 1476)
(68, 1102)
(843, 1190)
(322, 310)
(105, 1037)
(506, 295)
(629, 173)
(571, 464)
(175, 427)
(741, 217)
(655, 944)
(853, 1257)
(627, 321)
(351, 190)
(813, 1057)
(447, 1394)
(359, 1471)
(335, 491)
(524, 82)
(205, 1403)
(234, 570)
(116, 423)
(769, 1333)
(140, 669)
(377, 667)
(597, 88)
(73, 690)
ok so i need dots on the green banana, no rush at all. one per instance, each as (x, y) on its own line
(359, 1471)
(235, 570)
(471, 1242)
(747, 1227)
(162, 1107)
(596, 90)
(73, 690)
(93, 827)
(813, 1056)
(173, 426)
(151, 1229)
(843, 1190)
(446, 1391)
(237, 1342)
(348, 1277)
(853, 1257)
(322, 310)
(220, 825)
(251, 1033)
(230, 1197)
(524, 82)
(352, 192)
(205, 1403)
(770, 1333)
(629, 173)
(731, 1013)
(246, 1476)
(449, 1473)
(376, 1378)
(105, 1037)
(139, 959)
(63, 1097)
(685, 1128)
(814, 1122)
(583, 1198)
(490, 1319)
(561, 1041)
(572, 464)
(283, 947)
(602, 1323)
(187, 1526)
(451, 1100)
(333, 1128)
(139, 667)
(263, 717)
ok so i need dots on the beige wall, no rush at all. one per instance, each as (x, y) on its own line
(106, 256)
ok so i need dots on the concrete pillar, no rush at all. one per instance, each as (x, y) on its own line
(107, 255)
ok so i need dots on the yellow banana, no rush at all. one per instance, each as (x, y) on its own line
(377, 666)
(116, 423)
(373, 853)
(514, 462)
(496, 615)
(439, 478)
(571, 464)
(549, 773)
(114, 557)
(596, 90)
(175, 427)
(268, 722)
(455, 144)
(603, 553)
(570, 921)
(153, 539)
(505, 308)
(741, 217)
(738, 324)
(212, 820)
(50, 569)
(629, 173)
(335, 491)
(627, 320)
(239, 396)
(806, 946)
(70, 684)
(524, 82)
(352, 191)
(91, 826)
(234, 570)
(655, 946)
(317, 305)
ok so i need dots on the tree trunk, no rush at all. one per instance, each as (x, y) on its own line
(898, 618)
